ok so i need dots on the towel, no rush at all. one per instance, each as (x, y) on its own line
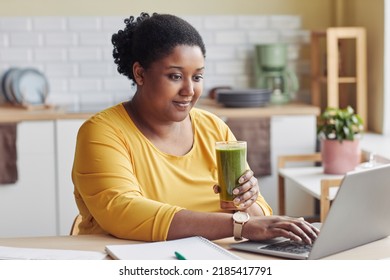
(256, 131)
(8, 155)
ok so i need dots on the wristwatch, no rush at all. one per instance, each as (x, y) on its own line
(239, 219)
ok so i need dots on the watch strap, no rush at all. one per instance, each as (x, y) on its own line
(237, 231)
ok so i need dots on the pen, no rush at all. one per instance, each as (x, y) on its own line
(179, 256)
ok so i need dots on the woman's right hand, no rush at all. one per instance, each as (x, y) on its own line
(267, 227)
(245, 194)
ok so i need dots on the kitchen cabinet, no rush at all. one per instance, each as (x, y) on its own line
(290, 135)
(65, 133)
(28, 207)
(41, 201)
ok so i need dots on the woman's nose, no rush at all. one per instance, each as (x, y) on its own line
(188, 88)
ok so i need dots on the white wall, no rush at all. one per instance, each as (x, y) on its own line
(75, 52)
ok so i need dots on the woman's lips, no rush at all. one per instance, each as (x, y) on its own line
(182, 104)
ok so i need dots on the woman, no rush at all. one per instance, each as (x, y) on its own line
(145, 169)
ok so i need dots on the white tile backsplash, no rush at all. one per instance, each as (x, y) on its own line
(263, 37)
(50, 54)
(283, 22)
(117, 83)
(75, 52)
(92, 100)
(95, 69)
(61, 39)
(233, 37)
(85, 54)
(85, 84)
(112, 24)
(94, 38)
(84, 23)
(49, 23)
(58, 70)
(12, 24)
(252, 22)
(220, 22)
(15, 55)
(4, 40)
(230, 68)
(24, 39)
(59, 85)
(221, 53)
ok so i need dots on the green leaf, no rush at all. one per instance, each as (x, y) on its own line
(341, 124)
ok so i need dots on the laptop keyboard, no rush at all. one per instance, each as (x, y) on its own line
(289, 247)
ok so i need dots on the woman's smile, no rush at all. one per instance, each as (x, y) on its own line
(182, 104)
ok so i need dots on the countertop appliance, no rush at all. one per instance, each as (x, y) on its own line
(272, 72)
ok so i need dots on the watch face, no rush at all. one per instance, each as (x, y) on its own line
(241, 217)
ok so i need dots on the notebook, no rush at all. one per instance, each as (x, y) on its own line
(191, 248)
(360, 213)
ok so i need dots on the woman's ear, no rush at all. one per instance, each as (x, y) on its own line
(138, 72)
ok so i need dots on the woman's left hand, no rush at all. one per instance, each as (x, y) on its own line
(245, 194)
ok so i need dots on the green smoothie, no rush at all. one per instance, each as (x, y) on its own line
(231, 163)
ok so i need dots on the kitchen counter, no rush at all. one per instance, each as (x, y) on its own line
(10, 113)
(266, 111)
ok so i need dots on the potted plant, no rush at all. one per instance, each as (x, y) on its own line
(339, 132)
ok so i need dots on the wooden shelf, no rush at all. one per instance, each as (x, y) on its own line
(333, 78)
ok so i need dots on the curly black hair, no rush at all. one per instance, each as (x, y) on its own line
(146, 39)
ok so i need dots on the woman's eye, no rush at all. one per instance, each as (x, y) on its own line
(175, 77)
(198, 78)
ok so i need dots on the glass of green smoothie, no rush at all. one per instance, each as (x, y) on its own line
(231, 164)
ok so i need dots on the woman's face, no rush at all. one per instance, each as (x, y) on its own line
(171, 86)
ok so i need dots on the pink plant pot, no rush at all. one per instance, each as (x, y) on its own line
(340, 157)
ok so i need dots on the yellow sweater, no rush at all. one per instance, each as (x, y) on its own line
(125, 186)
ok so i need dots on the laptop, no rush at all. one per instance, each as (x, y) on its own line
(360, 213)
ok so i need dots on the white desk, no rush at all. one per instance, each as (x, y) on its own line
(375, 250)
(313, 181)
(309, 179)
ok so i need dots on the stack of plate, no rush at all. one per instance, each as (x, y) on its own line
(243, 97)
(25, 86)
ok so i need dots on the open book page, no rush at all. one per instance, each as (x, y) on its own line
(16, 253)
(191, 248)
